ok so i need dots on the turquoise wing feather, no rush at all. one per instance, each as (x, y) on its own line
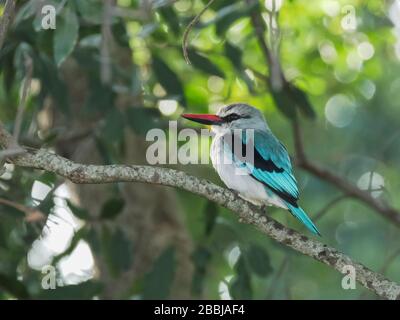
(272, 167)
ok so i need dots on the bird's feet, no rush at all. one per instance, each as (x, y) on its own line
(264, 208)
(235, 193)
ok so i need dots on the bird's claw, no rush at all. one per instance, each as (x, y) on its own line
(263, 208)
(235, 193)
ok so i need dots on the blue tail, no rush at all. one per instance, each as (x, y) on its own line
(303, 217)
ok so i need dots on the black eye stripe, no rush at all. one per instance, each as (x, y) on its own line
(234, 116)
(231, 117)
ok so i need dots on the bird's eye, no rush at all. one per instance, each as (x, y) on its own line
(232, 117)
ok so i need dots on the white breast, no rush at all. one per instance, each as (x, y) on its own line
(239, 179)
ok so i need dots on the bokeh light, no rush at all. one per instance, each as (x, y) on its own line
(330, 7)
(215, 84)
(366, 50)
(223, 288)
(372, 182)
(340, 110)
(233, 256)
(328, 52)
(167, 107)
(368, 89)
(273, 4)
(354, 61)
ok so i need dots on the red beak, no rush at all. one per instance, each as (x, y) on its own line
(209, 119)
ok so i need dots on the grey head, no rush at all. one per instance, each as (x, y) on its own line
(240, 116)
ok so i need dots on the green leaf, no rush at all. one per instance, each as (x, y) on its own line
(148, 29)
(284, 103)
(65, 35)
(204, 64)
(210, 213)
(90, 10)
(8, 71)
(158, 281)
(92, 238)
(136, 81)
(77, 237)
(92, 41)
(120, 34)
(240, 287)
(247, 80)
(100, 98)
(216, 5)
(170, 18)
(234, 54)
(46, 70)
(201, 257)
(113, 129)
(112, 208)
(47, 203)
(105, 151)
(226, 17)
(258, 260)
(26, 11)
(13, 286)
(229, 14)
(121, 252)
(142, 119)
(168, 79)
(118, 250)
(48, 178)
(159, 35)
(78, 212)
(84, 56)
(22, 51)
(300, 99)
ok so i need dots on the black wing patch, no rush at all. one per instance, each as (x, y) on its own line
(269, 166)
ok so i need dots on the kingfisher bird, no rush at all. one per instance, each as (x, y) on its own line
(265, 179)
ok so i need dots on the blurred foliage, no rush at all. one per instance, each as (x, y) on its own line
(351, 85)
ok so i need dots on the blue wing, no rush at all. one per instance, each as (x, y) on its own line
(272, 165)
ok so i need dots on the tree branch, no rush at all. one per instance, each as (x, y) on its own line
(88, 174)
(276, 78)
(185, 38)
(328, 206)
(31, 214)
